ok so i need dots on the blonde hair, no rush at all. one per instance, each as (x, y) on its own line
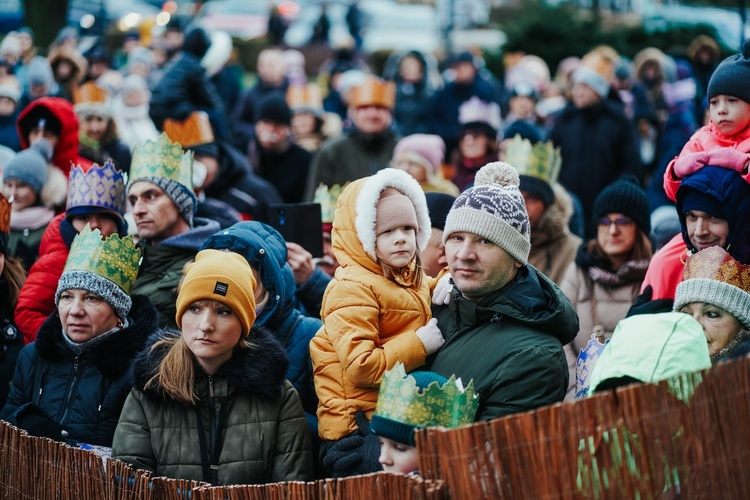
(391, 272)
(175, 376)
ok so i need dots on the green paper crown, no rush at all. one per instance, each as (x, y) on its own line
(327, 197)
(400, 399)
(542, 160)
(162, 158)
(114, 258)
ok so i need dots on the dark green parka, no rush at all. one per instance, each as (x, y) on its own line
(254, 422)
(510, 343)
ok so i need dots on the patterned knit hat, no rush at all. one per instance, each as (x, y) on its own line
(494, 208)
(731, 76)
(624, 196)
(30, 165)
(712, 276)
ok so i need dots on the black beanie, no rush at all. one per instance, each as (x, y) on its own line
(525, 129)
(624, 196)
(274, 109)
(196, 42)
(731, 77)
(537, 187)
(438, 206)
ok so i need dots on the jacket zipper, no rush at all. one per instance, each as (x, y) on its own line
(212, 423)
(69, 394)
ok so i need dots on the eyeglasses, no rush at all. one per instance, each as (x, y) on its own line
(620, 222)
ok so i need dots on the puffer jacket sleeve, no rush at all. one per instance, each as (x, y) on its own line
(37, 298)
(132, 440)
(23, 379)
(353, 329)
(292, 459)
(534, 377)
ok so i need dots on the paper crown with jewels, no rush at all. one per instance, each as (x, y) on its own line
(113, 258)
(192, 131)
(91, 99)
(401, 400)
(713, 277)
(162, 158)
(327, 198)
(98, 187)
(5, 209)
(542, 160)
(477, 111)
(373, 92)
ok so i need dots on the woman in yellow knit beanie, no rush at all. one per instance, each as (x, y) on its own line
(214, 393)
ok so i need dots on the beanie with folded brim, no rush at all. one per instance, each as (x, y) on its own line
(77, 279)
(224, 277)
(393, 430)
(494, 209)
(592, 79)
(183, 198)
(122, 224)
(717, 293)
(537, 187)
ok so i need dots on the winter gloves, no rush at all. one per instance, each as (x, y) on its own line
(355, 454)
(431, 336)
(721, 157)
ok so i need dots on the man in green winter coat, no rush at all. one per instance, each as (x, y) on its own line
(503, 321)
(160, 192)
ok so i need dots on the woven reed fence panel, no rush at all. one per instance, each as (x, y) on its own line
(688, 437)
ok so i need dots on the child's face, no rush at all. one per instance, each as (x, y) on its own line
(23, 195)
(729, 114)
(397, 457)
(396, 247)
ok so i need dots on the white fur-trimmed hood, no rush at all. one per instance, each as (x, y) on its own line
(367, 201)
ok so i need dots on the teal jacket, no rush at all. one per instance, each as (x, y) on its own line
(509, 343)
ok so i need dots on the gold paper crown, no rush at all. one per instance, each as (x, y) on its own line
(327, 197)
(98, 187)
(162, 158)
(542, 160)
(192, 131)
(373, 92)
(305, 97)
(716, 264)
(400, 399)
(4, 215)
(89, 92)
(114, 258)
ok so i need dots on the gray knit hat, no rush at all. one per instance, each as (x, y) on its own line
(99, 285)
(718, 293)
(185, 199)
(494, 208)
(30, 165)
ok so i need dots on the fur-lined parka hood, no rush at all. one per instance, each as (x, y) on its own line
(258, 369)
(554, 222)
(353, 235)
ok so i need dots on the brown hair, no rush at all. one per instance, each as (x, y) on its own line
(391, 272)
(15, 274)
(642, 249)
(176, 373)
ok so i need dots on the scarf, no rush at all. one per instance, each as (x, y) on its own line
(631, 271)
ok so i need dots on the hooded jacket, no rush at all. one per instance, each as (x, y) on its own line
(731, 192)
(412, 110)
(66, 150)
(83, 394)
(263, 437)
(553, 246)
(369, 320)
(162, 265)
(265, 250)
(510, 343)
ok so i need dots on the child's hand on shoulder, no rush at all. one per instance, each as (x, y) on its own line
(442, 293)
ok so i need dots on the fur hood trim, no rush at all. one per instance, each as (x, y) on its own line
(55, 190)
(258, 369)
(113, 356)
(367, 202)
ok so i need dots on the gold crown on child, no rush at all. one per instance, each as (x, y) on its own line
(114, 258)
(162, 158)
(542, 160)
(401, 399)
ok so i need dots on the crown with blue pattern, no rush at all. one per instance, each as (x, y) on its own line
(98, 187)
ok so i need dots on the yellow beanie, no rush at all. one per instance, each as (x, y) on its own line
(221, 276)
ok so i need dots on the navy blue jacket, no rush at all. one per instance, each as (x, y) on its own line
(82, 396)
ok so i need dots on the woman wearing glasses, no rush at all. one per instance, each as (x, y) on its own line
(607, 273)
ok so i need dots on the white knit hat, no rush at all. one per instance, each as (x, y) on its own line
(494, 209)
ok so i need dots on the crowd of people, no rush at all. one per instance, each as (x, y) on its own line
(476, 235)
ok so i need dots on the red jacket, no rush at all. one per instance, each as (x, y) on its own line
(37, 298)
(705, 139)
(66, 150)
(666, 268)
